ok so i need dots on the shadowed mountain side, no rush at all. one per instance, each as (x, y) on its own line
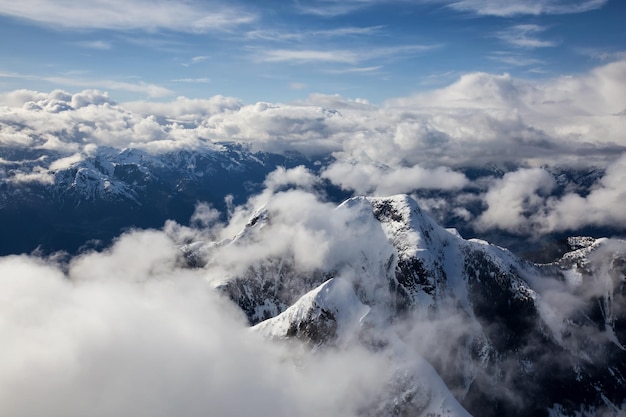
(507, 336)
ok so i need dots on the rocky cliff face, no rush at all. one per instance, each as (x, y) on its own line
(507, 337)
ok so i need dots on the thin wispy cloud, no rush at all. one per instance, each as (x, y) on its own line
(333, 8)
(602, 55)
(525, 36)
(501, 8)
(247, 41)
(355, 70)
(150, 90)
(345, 56)
(504, 8)
(305, 56)
(154, 41)
(195, 60)
(129, 15)
(513, 59)
(101, 45)
(297, 86)
(192, 80)
(348, 31)
(438, 78)
(301, 35)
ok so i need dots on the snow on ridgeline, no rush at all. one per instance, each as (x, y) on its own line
(384, 264)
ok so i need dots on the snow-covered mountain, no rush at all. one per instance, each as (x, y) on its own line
(468, 327)
(60, 202)
(503, 336)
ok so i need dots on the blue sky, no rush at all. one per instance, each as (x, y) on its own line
(280, 51)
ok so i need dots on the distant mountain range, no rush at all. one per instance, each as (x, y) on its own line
(92, 200)
(50, 201)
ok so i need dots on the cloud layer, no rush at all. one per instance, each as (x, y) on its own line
(479, 119)
(128, 331)
(419, 142)
(125, 332)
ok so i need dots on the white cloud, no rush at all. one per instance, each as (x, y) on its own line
(505, 8)
(332, 8)
(304, 56)
(101, 45)
(355, 70)
(408, 143)
(64, 163)
(524, 36)
(514, 59)
(128, 332)
(36, 175)
(367, 179)
(196, 60)
(192, 80)
(603, 206)
(17, 98)
(186, 109)
(297, 86)
(129, 15)
(274, 35)
(151, 90)
(341, 56)
(276, 127)
(298, 176)
(204, 216)
(479, 119)
(562, 117)
(124, 332)
(501, 8)
(521, 203)
(515, 198)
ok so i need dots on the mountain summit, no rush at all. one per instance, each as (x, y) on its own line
(503, 336)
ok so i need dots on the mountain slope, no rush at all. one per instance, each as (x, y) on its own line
(508, 337)
(59, 202)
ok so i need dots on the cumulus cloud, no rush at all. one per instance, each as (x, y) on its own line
(151, 90)
(485, 114)
(601, 207)
(186, 109)
(298, 176)
(71, 122)
(516, 197)
(418, 142)
(128, 331)
(370, 179)
(522, 202)
(37, 175)
(303, 231)
(142, 87)
(479, 119)
(125, 332)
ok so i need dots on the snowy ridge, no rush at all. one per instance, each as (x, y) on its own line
(400, 266)
(333, 307)
(94, 194)
(105, 173)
